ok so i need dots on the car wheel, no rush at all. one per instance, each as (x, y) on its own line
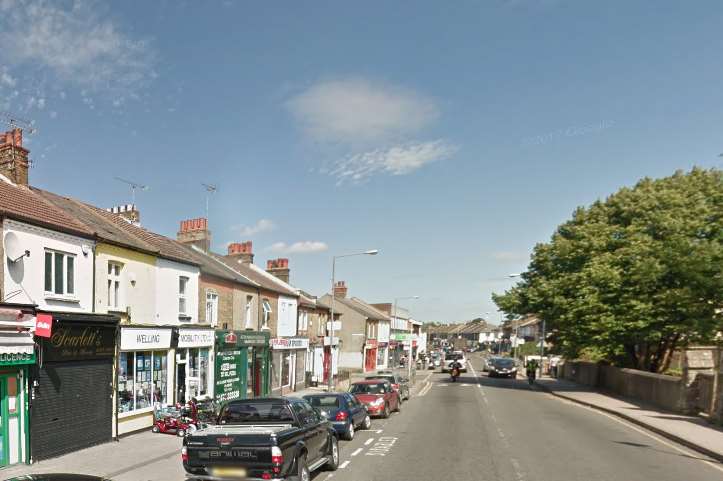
(180, 433)
(333, 462)
(399, 406)
(367, 422)
(302, 469)
(349, 434)
(385, 414)
(155, 429)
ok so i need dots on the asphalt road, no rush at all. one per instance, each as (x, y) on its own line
(501, 429)
(478, 429)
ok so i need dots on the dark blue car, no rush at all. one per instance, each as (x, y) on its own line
(343, 410)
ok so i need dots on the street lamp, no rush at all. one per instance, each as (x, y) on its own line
(409, 359)
(514, 352)
(371, 252)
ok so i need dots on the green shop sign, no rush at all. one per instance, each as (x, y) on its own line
(232, 363)
(16, 358)
(403, 337)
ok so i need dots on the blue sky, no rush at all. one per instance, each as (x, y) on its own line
(451, 136)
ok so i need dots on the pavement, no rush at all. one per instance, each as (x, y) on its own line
(691, 431)
(477, 429)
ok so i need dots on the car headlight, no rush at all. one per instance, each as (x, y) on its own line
(378, 402)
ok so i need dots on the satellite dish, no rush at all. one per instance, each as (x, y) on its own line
(13, 250)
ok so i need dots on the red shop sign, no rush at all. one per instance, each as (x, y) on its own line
(43, 325)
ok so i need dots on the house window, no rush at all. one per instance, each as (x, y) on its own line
(303, 320)
(267, 313)
(59, 273)
(114, 284)
(249, 304)
(212, 308)
(182, 300)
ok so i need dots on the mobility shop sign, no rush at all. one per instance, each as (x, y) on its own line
(195, 338)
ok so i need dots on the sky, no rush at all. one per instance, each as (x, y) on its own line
(451, 136)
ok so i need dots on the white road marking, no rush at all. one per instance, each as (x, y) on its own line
(382, 446)
(425, 390)
(368, 441)
(518, 469)
(442, 385)
(379, 431)
(357, 451)
(344, 464)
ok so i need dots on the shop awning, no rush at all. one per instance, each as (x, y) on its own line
(16, 342)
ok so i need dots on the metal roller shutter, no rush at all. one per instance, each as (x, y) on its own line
(73, 407)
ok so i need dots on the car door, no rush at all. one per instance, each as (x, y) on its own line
(354, 409)
(316, 429)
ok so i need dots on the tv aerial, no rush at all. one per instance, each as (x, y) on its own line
(15, 122)
(210, 189)
(134, 186)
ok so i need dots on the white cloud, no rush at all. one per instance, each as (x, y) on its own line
(357, 111)
(74, 42)
(398, 160)
(262, 225)
(6, 79)
(304, 247)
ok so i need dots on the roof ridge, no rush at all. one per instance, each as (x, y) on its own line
(223, 265)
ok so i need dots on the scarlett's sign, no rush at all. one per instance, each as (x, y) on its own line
(195, 337)
(289, 343)
(142, 339)
(76, 341)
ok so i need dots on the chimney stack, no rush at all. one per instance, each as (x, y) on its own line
(129, 212)
(13, 157)
(241, 251)
(195, 232)
(278, 268)
(340, 289)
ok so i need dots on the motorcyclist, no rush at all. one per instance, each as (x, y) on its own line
(455, 365)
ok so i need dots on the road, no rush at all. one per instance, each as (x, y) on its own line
(478, 429)
(501, 429)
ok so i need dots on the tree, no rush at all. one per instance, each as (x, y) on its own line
(632, 277)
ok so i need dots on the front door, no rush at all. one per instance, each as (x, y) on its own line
(181, 382)
(10, 427)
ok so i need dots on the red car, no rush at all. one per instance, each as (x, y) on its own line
(378, 396)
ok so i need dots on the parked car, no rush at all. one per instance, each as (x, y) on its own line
(378, 396)
(262, 438)
(344, 411)
(455, 356)
(58, 477)
(502, 367)
(399, 383)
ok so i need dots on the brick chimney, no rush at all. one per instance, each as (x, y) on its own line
(340, 289)
(129, 212)
(278, 268)
(13, 157)
(195, 232)
(242, 252)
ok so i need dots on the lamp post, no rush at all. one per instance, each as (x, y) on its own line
(409, 359)
(371, 252)
(514, 352)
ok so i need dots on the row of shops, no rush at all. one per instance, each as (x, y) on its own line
(69, 381)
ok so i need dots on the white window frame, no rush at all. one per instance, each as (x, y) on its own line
(249, 305)
(114, 280)
(266, 307)
(183, 296)
(212, 297)
(64, 294)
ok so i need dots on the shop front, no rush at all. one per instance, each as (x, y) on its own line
(145, 375)
(17, 355)
(72, 395)
(382, 355)
(289, 363)
(194, 358)
(241, 365)
(370, 355)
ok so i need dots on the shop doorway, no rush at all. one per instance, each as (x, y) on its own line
(370, 363)
(181, 381)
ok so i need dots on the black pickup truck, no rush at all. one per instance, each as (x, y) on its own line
(266, 438)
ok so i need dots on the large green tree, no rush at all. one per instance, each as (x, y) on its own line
(634, 276)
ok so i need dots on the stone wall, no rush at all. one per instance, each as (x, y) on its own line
(657, 389)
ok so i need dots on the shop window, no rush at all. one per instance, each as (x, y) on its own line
(59, 273)
(114, 285)
(286, 369)
(212, 308)
(141, 380)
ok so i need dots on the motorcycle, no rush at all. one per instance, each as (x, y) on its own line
(530, 377)
(455, 374)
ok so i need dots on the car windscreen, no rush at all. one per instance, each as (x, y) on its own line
(504, 363)
(453, 357)
(388, 378)
(254, 412)
(324, 401)
(368, 389)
